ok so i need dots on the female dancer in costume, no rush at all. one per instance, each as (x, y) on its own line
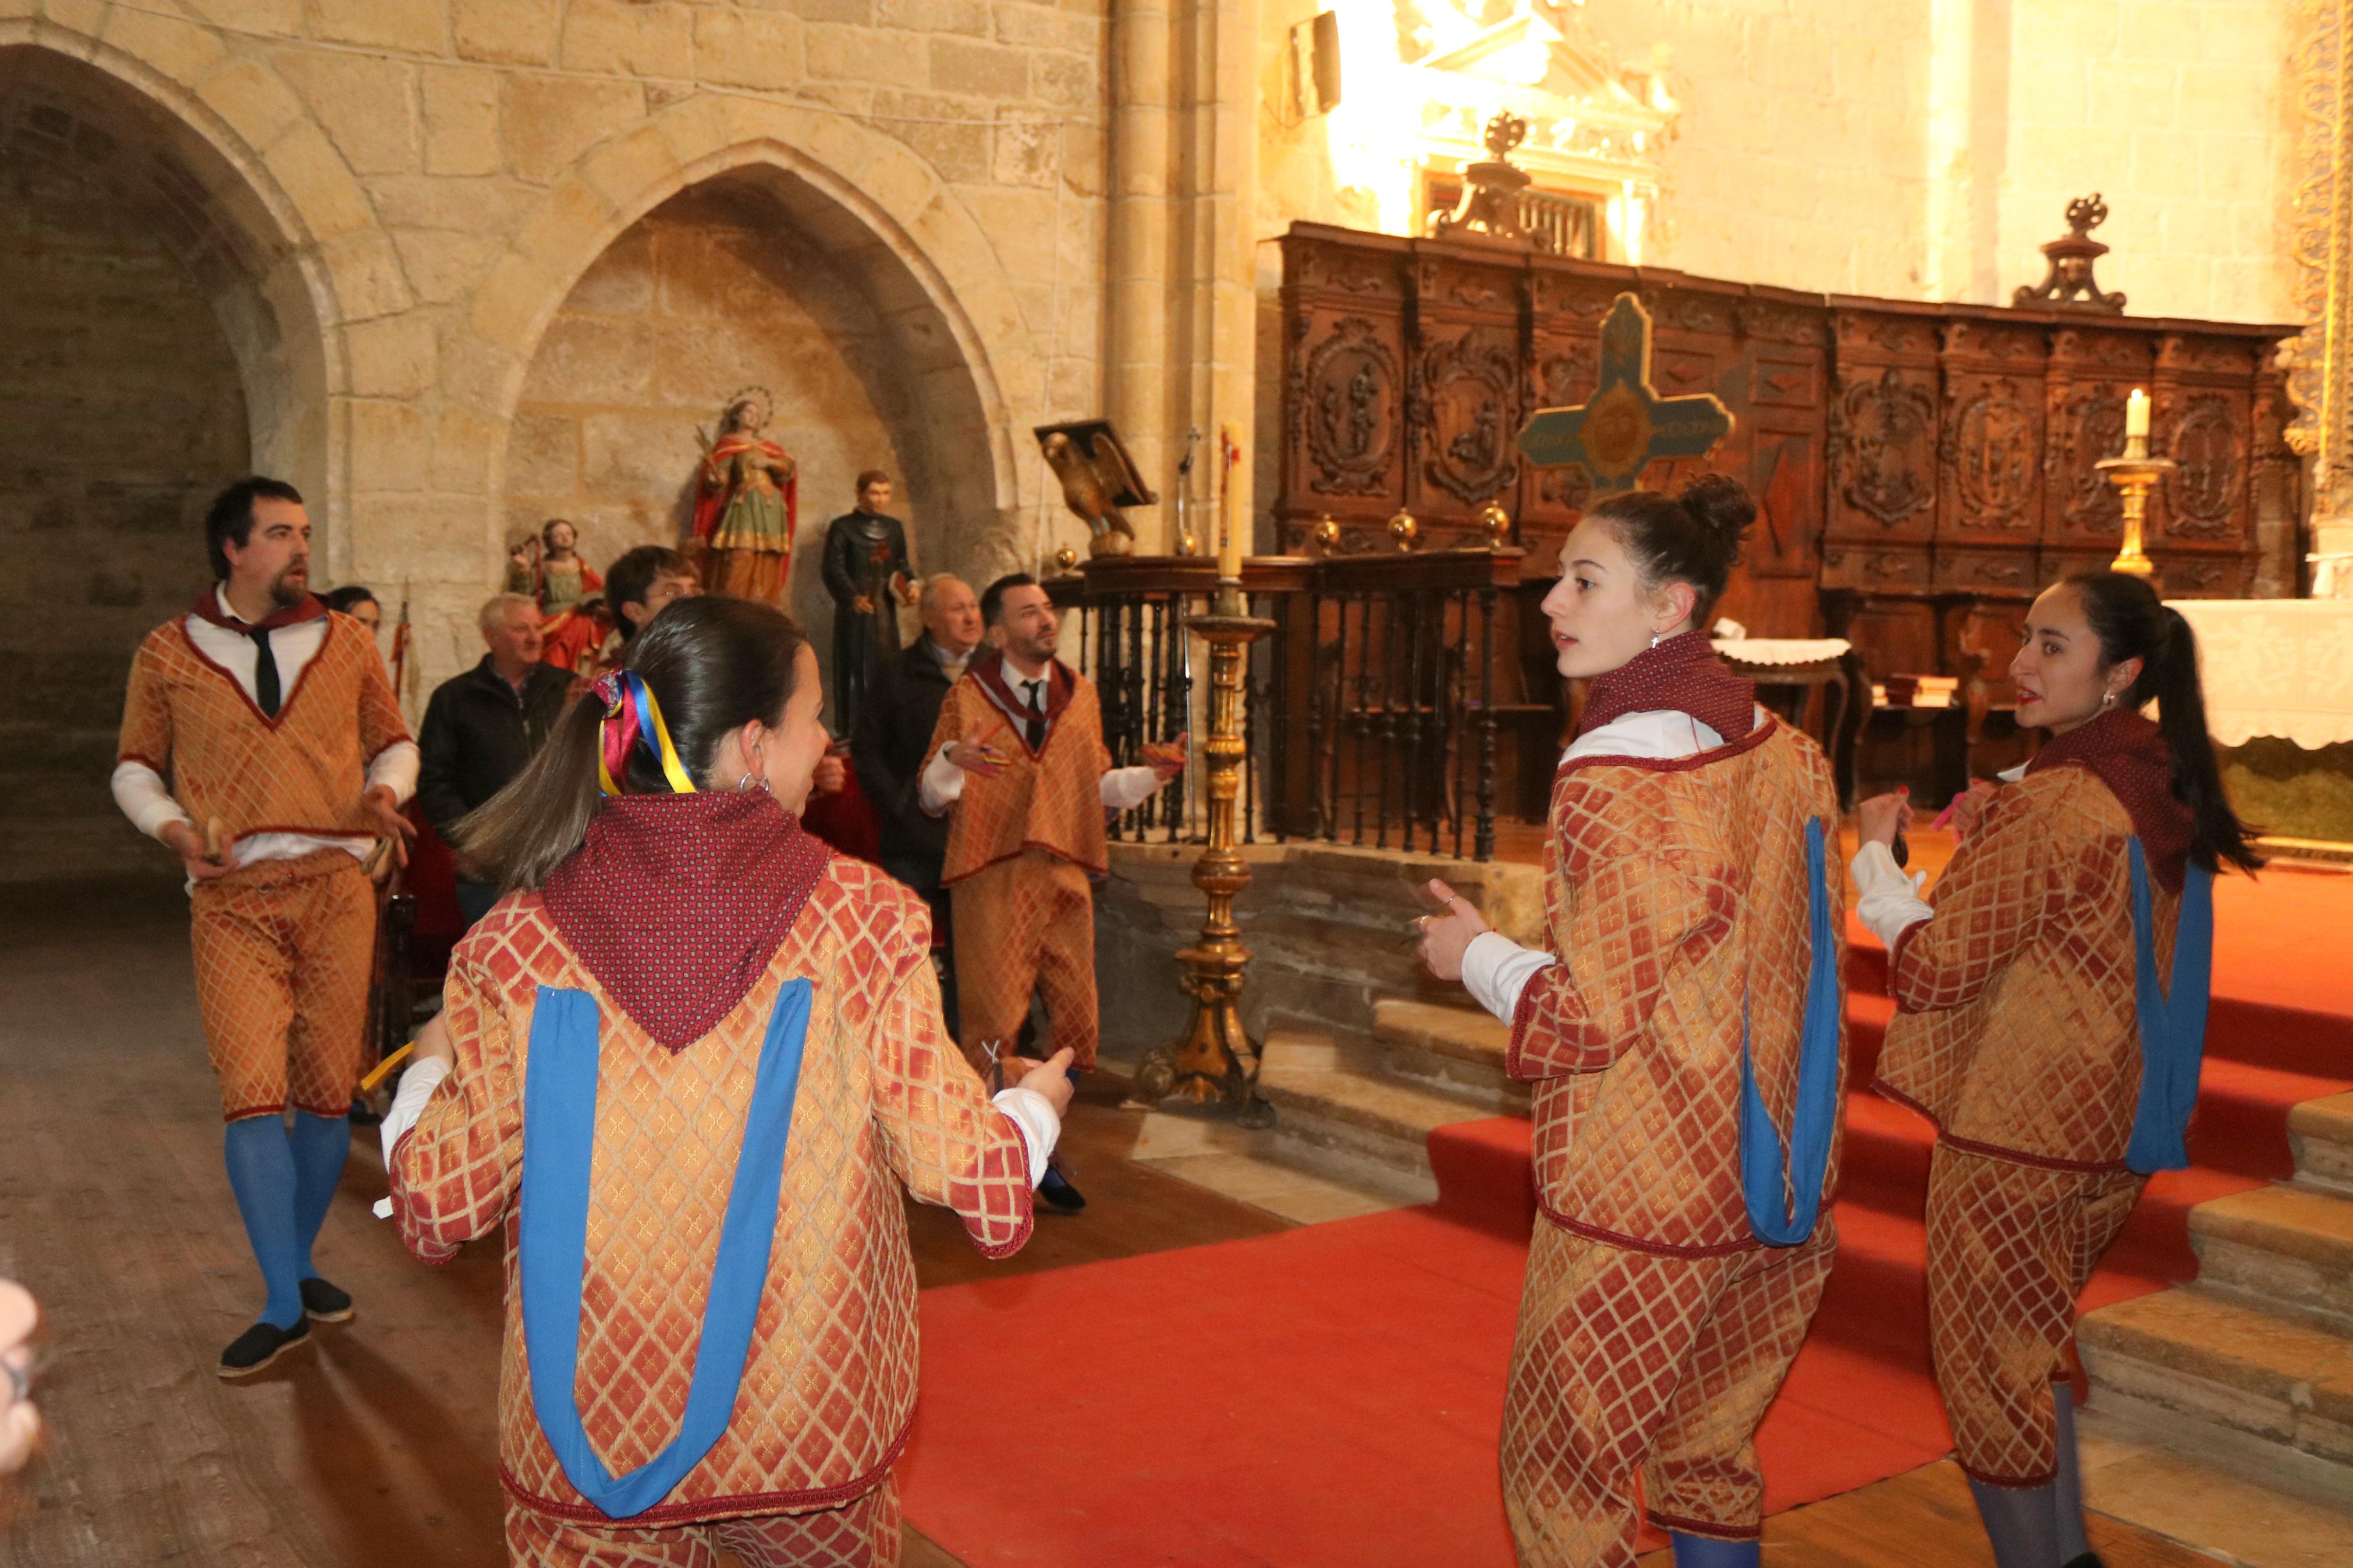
(2051, 1010)
(690, 1059)
(1684, 1032)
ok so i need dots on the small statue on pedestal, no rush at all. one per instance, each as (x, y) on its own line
(745, 510)
(868, 572)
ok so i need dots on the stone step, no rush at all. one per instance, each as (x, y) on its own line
(2288, 1246)
(2205, 1372)
(1452, 1051)
(1338, 1097)
(2320, 1132)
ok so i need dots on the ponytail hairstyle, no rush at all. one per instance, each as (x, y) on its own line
(709, 665)
(1692, 536)
(2132, 622)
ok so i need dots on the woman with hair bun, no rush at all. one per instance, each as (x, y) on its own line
(1682, 1030)
(686, 1064)
(2050, 1013)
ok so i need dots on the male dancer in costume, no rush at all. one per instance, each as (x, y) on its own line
(2050, 1013)
(1017, 763)
(1683, 1032)
(262, 744)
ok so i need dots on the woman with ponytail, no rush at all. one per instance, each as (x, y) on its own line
(686, 1064)
(2051, 1011)
(1682, 1029)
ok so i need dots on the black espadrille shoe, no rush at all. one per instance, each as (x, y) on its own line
(324, 1303)
(1060, 1196)
(258, 1346)
(2086, 1560)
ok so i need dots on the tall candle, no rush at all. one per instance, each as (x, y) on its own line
(2137, 414)
(1229, 538)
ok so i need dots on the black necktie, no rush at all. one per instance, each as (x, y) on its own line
(1035, 731)
(265, 674)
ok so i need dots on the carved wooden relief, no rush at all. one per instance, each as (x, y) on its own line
(1468, 415)
(1350, 405)
(1882, 441)
(2088, 425)
(2205, 496)
(1992, 457)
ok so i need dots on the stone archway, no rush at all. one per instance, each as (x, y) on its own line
(882, 220)
(164, 343)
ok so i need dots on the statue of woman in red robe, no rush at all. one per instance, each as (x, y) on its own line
(744, 509)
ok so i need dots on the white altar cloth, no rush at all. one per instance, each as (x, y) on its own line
(2276, 667)
(1782, 650)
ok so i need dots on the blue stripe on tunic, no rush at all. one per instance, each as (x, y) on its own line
(1785, 1190)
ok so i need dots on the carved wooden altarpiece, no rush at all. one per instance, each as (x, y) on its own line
(1922, 470)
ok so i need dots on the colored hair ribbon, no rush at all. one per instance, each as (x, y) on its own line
(633, 718)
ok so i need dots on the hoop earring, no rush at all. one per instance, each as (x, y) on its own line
(2108, 699)
(744, 785)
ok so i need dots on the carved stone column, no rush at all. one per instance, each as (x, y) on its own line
(2320, 73)
(1183, 301)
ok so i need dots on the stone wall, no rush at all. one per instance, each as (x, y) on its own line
(414, 189)
(715, 289)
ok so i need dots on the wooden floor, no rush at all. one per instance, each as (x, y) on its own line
(376, 1449)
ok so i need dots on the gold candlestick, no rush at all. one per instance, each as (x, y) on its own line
(1213, 1059)
(2135, 475)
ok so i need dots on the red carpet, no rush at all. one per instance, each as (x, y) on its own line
(1330, 1397)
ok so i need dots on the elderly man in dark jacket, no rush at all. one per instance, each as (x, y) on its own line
(481, 727)
(894, 730)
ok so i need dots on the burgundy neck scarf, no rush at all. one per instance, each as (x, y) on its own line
(1681, 673)
(207, 607)
(677, 903)
(2127, 752)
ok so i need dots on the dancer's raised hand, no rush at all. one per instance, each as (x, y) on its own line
(1445, 936)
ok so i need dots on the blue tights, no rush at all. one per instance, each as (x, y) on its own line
(284, 1184)
(1701, 1551)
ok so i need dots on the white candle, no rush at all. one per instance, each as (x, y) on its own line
(1229, 542)
(2137, 414)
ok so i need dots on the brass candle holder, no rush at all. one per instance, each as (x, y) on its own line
(2135, 475)
(1213, 1059)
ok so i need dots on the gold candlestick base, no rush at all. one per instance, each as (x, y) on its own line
(2135, 475)
(1213, 1059)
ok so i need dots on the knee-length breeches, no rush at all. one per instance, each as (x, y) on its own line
(1024, 925)
(284, 950)
(862, 1534)
(2011, 1246)
(1629, 1361)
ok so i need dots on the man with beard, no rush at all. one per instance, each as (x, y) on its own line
(1017, 763)
(262, 744)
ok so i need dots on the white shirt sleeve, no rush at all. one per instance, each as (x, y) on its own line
(396, 766)
(942, 786)
(1126, 787)
(1040, 1128)
(139, 791)
(1495, 970)
(1890, 903)
(417, 1087)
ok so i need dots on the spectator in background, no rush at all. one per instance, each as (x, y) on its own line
(892, 735)
(481, 727)
(636, 588)
(355, 600)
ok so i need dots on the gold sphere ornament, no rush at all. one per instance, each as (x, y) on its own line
(1066, 559)
(1327, 534)
(1404, 529)
(1496, 524)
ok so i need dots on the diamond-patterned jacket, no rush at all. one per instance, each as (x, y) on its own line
(885, 1098)
(1049, 800)
(2017, 1030)
(302, 772)
(1677, 899)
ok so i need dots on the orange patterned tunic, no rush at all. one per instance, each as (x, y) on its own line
(2016, 1029)
(303, 772)
(1676, 894)
(1050, 801)
(829, 1386)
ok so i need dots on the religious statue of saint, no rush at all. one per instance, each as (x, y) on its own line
(548, 567)
(745, 510)
(869, 574)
